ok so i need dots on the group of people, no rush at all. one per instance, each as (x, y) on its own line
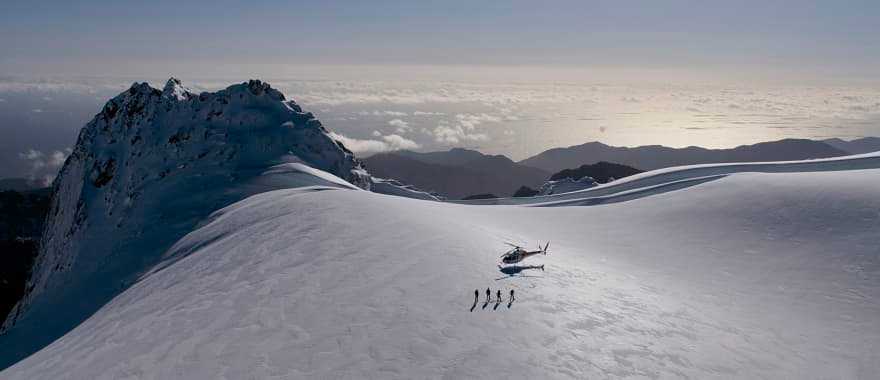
(489, 295)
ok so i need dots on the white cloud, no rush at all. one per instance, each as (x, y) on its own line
(400, 125)
(382, 113)
(470, 121)
(393, 113)
(428, 113)
(463, 128)
(384, 144)
(454, 134)
(44, 167)
(397, 142)
(56, 159)
(360, 146)
(36, 110)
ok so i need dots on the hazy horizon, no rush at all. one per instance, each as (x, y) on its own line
(509, 78)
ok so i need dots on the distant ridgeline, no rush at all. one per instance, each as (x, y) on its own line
(457, 173)
(461, 173)
(656, 157)
(601, 172)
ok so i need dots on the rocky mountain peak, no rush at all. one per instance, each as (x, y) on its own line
(174, 89)
(153, 163)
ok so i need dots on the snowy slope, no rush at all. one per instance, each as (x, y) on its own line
(747, 275)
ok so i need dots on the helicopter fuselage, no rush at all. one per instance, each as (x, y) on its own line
(517, 255)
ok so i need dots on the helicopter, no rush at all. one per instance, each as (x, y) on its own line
(518, 253)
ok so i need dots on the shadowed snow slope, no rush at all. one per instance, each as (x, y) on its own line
(750, 275)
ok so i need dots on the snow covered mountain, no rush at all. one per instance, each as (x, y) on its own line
(150, 166)
(766, 270)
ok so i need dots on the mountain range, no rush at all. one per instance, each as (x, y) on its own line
(456, 173)
(857, 146)
(459, 173)
(652, 157)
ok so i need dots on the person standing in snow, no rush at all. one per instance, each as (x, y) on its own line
(488, 295)
(499, 296)
(476, 295)
(511, 295)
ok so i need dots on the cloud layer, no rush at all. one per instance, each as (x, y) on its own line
(516, 118)
(384, 143)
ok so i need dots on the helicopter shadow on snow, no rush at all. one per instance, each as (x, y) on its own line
(516, 271)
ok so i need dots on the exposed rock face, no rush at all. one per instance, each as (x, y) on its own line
(602, 172)
(525, 191)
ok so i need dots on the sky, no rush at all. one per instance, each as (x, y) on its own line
(510, 78)
(91, 37)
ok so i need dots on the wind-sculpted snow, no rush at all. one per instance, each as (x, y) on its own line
(393, 187)
(668, 179)
(749, 275)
